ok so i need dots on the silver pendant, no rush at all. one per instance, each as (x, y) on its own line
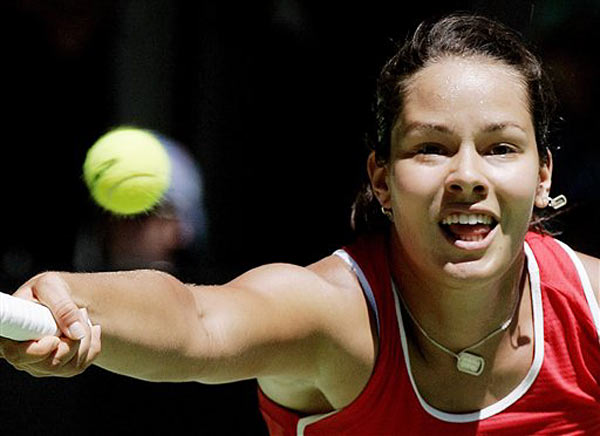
(469, 363)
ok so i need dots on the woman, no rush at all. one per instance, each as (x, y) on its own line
(446, 315)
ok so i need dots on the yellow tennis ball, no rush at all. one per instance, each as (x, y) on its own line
(127, 171)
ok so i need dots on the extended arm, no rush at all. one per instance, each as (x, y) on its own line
(271, 321)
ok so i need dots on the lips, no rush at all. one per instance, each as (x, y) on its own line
(461, 228)
(468, 231)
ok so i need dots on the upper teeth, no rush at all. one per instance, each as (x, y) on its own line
(463, 218)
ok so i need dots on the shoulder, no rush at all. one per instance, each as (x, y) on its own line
(350, 311)
(591, 264)
(592, 268)
(328, 291)
(335, 271)
(329, 278)
(348, 353)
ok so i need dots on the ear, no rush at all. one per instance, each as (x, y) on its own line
(544, 182)
(378, 176)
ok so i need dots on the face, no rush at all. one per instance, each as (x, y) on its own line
(464, 171)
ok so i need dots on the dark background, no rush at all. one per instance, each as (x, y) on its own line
(273, 99)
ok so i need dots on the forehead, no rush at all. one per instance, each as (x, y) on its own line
(458, 90)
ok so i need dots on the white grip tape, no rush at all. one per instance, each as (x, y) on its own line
(23, 320)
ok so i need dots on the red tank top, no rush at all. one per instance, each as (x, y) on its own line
(560, 395)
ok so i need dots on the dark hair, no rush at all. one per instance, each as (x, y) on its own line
(454, 35)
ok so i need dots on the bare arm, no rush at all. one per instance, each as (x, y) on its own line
(272, 321)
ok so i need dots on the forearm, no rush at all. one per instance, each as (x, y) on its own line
(154, 327)
(148, 320)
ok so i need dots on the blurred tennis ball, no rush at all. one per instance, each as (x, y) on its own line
(127, 171)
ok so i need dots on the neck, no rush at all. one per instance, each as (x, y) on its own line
(457, 313)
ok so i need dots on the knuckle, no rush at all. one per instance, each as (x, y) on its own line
(65, 310)
(52, 284)
(48, 278)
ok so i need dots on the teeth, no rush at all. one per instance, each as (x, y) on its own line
(472, 238)
(464, 218)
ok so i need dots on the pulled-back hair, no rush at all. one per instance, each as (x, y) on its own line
(458, 35)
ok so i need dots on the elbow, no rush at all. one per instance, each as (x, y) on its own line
(194, 352)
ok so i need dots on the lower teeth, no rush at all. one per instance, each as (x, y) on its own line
(474, 238)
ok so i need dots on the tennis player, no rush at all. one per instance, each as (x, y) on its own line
(453, 311)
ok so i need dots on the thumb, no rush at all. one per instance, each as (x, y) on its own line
(52, 291)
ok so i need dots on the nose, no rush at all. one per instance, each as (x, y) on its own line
(466, 176)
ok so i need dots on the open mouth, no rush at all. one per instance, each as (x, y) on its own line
(468, 227)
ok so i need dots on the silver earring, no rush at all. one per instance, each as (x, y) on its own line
(557, 202)
(388, 213)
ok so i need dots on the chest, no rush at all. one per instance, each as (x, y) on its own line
(444, 387)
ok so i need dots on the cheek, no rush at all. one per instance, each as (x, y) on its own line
(521, 180)
(411, 183)
(516, 193)
(416, 197)
(521, 189)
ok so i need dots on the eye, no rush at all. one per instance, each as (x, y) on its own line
(501, 149)
(431, 148)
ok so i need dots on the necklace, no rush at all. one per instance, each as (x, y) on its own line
(467, 362)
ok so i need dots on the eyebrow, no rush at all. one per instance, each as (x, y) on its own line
(419, 126)
(424, 127)
(495, 127)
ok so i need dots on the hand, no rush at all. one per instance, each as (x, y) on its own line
(63, 356)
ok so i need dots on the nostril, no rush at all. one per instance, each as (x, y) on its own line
(479, 189)
(460, 188)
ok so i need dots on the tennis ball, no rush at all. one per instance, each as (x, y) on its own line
(127, 171)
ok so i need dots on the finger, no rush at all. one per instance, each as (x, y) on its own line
(50, 356)
(65, 354)
(69, 359)
(84, 345)
(87, 357)
(53, 291)
(42, 348)
(25, 291)
(86, 317)
(58, 363)
(73, 357)
(96, 345)
(24, 353)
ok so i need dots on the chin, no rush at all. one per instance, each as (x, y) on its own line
(482, 270)
(468, 271)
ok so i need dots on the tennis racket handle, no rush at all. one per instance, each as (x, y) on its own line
(24, 320)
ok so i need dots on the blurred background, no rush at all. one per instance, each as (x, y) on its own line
(270, 100)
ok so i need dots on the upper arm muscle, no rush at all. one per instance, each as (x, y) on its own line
(269, 321)
(303, 332)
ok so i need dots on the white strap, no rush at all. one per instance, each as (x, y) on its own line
(588, 290)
